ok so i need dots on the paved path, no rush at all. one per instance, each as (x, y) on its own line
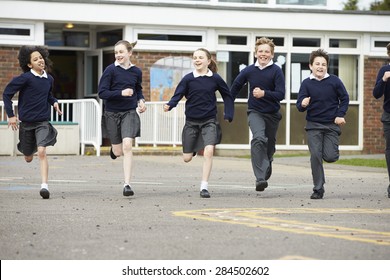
(88, 218)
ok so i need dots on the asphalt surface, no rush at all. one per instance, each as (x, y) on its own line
(87, 217)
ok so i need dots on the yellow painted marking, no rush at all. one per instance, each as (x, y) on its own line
(265, 218)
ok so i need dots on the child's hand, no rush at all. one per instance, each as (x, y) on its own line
(57, 108)
(127, 92)
(166, 107)
(141, 106)
(305, 102)
(386, 76)
(339, 121)
(258, 93)
(13, 123)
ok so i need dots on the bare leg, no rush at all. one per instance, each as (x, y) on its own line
(208, 162)
(117, 149)
(44, 165)
(127, 158)
(187, 157)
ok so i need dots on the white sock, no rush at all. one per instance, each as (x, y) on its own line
(126, 184)
(44, 186)
(204, 185)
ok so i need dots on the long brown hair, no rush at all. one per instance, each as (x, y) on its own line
(213, 65)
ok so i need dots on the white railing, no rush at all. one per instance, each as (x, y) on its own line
(85, 112)
(159, 127)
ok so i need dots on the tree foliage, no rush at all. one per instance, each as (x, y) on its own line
(380, 5)
(351, 5)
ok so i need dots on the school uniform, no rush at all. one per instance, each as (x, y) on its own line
(120, 117)
(201, 127)
(34, 101)
(383, 89)
(263, 113)
(328, 99)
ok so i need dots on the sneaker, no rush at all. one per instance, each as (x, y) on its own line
(261, 185)
(112, 155)
(317, 194)
(44, 193)
(127, 191)
(204, 193)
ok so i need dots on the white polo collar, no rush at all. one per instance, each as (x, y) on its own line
(208, 74)
(44, 75)
(257, 64)
(116, 63)
(312, 77)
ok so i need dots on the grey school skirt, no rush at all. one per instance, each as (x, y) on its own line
(121, 125)
(196, 135)
(35, 134)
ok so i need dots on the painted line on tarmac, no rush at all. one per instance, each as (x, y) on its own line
(270, 218)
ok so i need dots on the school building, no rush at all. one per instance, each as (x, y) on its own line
(80, 36)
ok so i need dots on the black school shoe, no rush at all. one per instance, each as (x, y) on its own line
(318, 194)
(204, 193)
(127, 191)
(112, 155)
(261, 185)
(44, 193)
(388, 191)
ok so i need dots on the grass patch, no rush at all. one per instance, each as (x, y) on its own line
(381, 163)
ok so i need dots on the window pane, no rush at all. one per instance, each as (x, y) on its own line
(170, 37)
(108, 38)
(380, 44)
(232, 40)
(345, 67)
(231, 67)
(342, 43)
(236, 132)
(280, 60)
(245, 1)
(306, 42)
(299, 71)
(67, 39)
(302, 2)
(14, 31)
(165, 75)
(297, 126)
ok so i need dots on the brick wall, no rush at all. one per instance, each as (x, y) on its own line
(373, 140)
(9, 66)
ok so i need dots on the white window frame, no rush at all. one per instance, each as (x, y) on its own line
(35, 29)
(171, 45)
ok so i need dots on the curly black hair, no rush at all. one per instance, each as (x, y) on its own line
(24, 57)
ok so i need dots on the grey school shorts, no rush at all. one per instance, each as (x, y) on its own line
(122, 125)
(35, 134)
(197, 135)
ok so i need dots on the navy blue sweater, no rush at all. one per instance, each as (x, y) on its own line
(35, 97)
(328, 99)
(113, 81)
(269, 79)
(383, 88)
(201, 101)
